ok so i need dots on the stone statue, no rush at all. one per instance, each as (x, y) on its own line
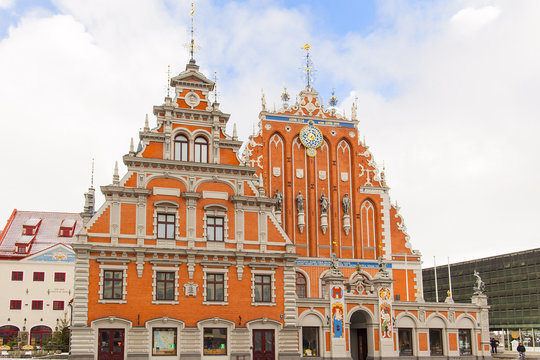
(346, 204)
(300, 202)
(324, 204)
(279, 197)
(479, 287)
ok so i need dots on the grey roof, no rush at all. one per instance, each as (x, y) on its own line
(47, 234)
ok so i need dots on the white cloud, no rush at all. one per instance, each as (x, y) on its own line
(471, 19)
(6, 4)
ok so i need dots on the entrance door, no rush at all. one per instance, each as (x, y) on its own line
(362, 343)
(111, 344)
(263, 345)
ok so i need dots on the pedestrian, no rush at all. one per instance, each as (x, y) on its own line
(493, 345)
(521, 350)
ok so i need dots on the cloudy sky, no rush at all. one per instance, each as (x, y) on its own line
(448, 97)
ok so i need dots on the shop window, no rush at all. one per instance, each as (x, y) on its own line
(58, 305)
(435, 342)
(37, 304)
(181, 148)
(15, 305)
(214, 228)
(40, 335)
(215, 287)
(215, 341)
(113, 284)
(165, 226)
(16, 275)
(465, 346)
(164, 341)
(201, 150)
(405, 342)
(8, 333)
(165, 285)
(39, 276)
(59, 277)
(310, 341)
(263, 288)
(300, 285)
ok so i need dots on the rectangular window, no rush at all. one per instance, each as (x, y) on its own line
(16, 275)
(165, 226)
(215, 341)
(37, 304)
(263, 288)
(435, 342)
(164, 341)
(15, 304)
(215, 284)
(60, 277)
(465, 346)
(214, 228)
(112, 284)
(39, 276)
(310, 341)
(58, 305)
(405, 342)
(21, 249)
(165, 285)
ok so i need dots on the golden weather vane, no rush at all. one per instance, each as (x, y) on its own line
(309, 65)
(192, 43)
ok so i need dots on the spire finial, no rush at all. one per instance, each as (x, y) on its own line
(192, 43)
(215, 87)
(285, 97)
(168, 80)
(309, 64)
(116, 177)
(333, 99)
(234, 132)
(263, 100)
(131, 147)
(92, 176)
(146, 126)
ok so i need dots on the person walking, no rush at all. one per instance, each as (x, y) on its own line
(521, 350)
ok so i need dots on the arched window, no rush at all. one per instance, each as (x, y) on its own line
(201, 150)
(8, 332)
(368, 223)
(40, 335)
(181, 148)
(301, 285)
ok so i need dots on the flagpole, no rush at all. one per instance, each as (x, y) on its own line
(436, 287)
(450, 278)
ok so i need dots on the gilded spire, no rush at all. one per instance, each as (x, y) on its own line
(192, 43)
(309, 65)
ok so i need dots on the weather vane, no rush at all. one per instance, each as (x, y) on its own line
(285, 97)
(215, 87)
(309, 64)
(333, 100)
(192, 43)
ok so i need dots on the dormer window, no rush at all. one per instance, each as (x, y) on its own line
(181, 148)
(21, 249)
(67, 228)
(31, 226)
(201, 150)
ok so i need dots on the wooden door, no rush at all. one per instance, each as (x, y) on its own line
(111, 344)
(362, 344)
(263, 345)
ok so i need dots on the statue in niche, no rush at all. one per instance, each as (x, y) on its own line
(300, 202)
(279, 197)
(346, 204)
(479, 287)
(324, 204)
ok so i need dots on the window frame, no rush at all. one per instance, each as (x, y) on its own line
(58, 305)
(105, 280)
(405, 352)
(15, 304)
(298, 284)
(37, 304)
(17, 276)
(198, 147)
(39, 276)
(180, 145)
(165, 269)
(264, 282)
(213, 284)
(433, 352)
(59, 277)
(166, 224)
(161, 352)
(207, 352)
(166, 283)
(465, 351)
(317, 340)
(211, 228)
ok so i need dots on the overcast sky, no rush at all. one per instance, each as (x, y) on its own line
(448, 98)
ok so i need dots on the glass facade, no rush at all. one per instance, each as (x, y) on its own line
(511, 282)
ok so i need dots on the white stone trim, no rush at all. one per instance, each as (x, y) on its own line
(166, 191)
(217, 212)
(220, 195)
(272, 287)
(156, 269)
(123, 268)
(225, 273)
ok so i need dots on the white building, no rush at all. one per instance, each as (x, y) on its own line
(36, 270)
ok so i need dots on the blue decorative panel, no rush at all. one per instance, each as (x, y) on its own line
(56, 255)
(344, 264)
(316, 122)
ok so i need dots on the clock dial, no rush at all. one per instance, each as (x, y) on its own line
(311, 137)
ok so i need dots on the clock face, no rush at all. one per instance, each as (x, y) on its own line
(311, 137)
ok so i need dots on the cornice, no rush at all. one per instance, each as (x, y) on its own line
(253, 200)
(113, 189)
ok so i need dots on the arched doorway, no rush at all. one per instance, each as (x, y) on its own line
(40, 335)
(359, 335)
(7, 333)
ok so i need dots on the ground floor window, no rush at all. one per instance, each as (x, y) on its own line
(215, 341)
(465, 347)
(40, 335)
(8, 333)
(405, 342)
(310, 341)
(164, 341)
(435, 342)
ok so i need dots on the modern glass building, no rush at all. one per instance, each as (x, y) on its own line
(512, 284)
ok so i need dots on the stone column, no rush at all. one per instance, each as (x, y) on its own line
(382, 282)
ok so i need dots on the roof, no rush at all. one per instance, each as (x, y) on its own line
(48, 233)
